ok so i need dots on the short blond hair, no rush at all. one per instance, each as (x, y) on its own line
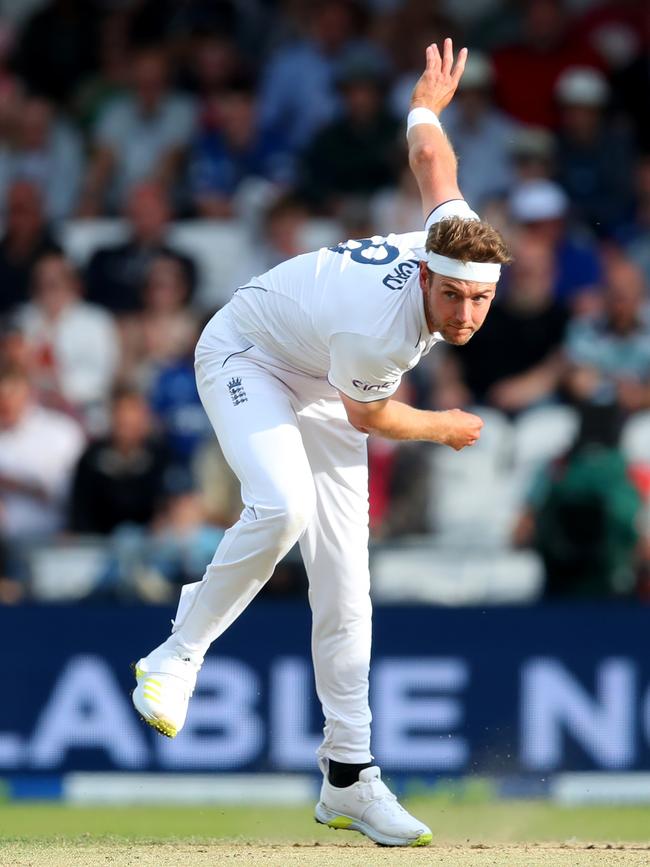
(467, 241)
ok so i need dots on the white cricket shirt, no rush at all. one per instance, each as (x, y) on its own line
(353, 313)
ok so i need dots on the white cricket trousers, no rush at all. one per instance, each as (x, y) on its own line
(304, 477)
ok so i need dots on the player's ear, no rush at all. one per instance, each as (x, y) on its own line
(425, 275)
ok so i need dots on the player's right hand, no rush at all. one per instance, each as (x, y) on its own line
(460, 429)
(437, 84)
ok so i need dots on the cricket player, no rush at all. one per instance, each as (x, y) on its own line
(294, 373)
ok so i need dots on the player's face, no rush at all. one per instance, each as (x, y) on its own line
(455, 308)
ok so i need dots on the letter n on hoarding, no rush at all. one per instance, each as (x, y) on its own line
(555, 704)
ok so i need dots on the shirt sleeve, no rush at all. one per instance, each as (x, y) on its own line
(360, 369)
(452, 208)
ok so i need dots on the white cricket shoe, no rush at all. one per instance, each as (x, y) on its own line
(370, 807)
(165, 683)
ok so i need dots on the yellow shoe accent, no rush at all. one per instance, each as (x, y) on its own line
(422, 840)
(162, 727)
(340, 823)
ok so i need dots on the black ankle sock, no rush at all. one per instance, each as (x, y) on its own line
(342, 775)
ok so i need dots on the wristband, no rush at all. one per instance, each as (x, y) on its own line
(422, 115)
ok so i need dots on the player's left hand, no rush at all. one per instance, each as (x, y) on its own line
(439, 81)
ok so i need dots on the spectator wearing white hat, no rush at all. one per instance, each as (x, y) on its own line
(594, 159)
(481, 134)
(540, 209)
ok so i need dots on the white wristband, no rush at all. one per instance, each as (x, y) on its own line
(422, 115)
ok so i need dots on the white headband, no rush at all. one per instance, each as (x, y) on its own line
(479, 272)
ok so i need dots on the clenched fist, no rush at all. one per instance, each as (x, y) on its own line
(460, 429)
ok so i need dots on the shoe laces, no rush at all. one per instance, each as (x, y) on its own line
(375, 790)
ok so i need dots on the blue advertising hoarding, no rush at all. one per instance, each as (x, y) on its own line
(527, 691)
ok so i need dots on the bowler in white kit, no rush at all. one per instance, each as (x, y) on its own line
(294, 373)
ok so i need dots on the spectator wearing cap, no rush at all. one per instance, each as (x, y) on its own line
(526, 71)
(594, 159)
(232, 149)
(75, 345)
(26, 238)
(481, 135)
(540, 209)
(39, 449)
(115, 275)
(142, 135)
(609, 353)
(46, 152)
(357, 154)
(532, 151)
(298, 89)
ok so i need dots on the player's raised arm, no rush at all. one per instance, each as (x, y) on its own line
(431, 155)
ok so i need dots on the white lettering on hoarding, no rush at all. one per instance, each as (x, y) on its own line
(413, 729)
(86, 710)
(554, 704)
(224, 728)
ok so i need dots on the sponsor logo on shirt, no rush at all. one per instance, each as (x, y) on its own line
(399, 277)
(372, 386)
(237, 391)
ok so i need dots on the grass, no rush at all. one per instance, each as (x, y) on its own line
(498, 822)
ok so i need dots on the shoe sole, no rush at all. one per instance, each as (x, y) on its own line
(163, 727)
(340, 822)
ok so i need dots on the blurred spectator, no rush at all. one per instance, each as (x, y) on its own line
(75, 345)
(38, 451)
(398, 482)
(610, 354)
(480, 134)
(120, 478)
(219, 487)
(399, 209)
(533, 65)
(515, 361)
(614, 29)
(406, 32)
(115, 275)
(11, 589)
(212, 61)
(594, 159)
(583, 514)
(281, 236)
(532, 150)
(635, 235)
(178, 409)
(109, 81)
(231, 149)
(26, 239)
(57, 47)
(632, 85)
(298, 95)
(165, 329)
(173, 552)
(540, 209)
(47, 152)
(358, 154)
(142, 135)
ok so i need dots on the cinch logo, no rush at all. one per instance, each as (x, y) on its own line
(398, 278)
(237, 392)
(367, 386)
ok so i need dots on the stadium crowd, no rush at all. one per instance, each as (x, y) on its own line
(131, 128)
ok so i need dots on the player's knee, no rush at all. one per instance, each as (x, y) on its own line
(295, 513)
